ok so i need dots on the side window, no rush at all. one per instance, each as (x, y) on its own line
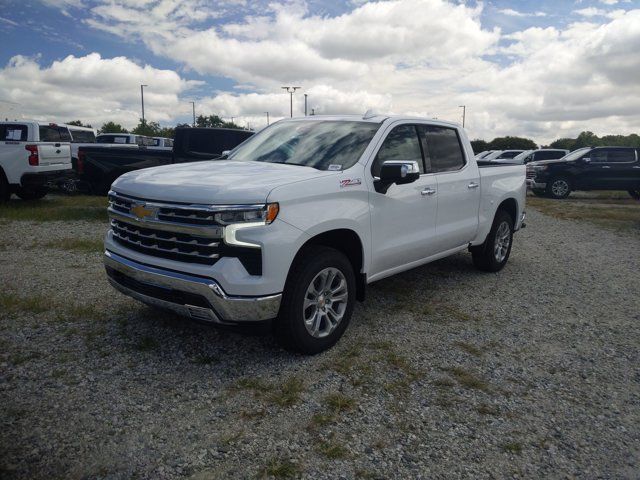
(622, 156)
(14, 133)
(443, 149)
(49, 134)
(401, 144)
(598, 156)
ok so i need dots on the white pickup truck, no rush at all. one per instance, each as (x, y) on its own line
(32, 155)
(299, 218)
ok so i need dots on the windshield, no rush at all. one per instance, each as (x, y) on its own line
(521, 156)
(324, 145)
(576, 154)
(82, 136)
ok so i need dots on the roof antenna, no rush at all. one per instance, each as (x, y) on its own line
(369, 114)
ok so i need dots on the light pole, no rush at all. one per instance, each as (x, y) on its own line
(142, 97)
(267, 118)
(290, 91)
(305, 104)
(464, 113)
(193, 105)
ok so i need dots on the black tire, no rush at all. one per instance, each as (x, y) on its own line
(290, 328)
(559, 188)
(484, 256)
(5, 192)
(32, 193)
(539, 192)
(635, 194)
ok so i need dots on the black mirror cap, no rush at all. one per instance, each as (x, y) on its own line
(398, 172)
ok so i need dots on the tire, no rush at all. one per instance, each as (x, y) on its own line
(539, 192)
(5, 192)
(32, 193)
(635, 194)
(314, 266)
(486, 257)
(559, 188)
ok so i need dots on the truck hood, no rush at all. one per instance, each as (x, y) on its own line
(212, 182)
(547, 162)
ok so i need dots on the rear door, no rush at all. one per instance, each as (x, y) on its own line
(622, 167)
(458, 187)
(54, 147)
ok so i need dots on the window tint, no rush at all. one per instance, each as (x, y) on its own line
(14, 133)
(598, 156)
(621, 156)
(53, 133)
(401, 144)
(511, 154)
(443, 148)
(82, 136)
(112, 139)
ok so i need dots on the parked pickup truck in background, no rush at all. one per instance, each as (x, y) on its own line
(590, 168)
(98, 167)
(302, 216)
(32, 156)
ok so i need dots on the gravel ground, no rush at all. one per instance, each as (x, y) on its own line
(444, 372)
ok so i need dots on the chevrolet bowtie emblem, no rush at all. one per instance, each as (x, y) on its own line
(142, 212)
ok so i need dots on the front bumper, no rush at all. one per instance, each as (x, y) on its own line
(195, 297)
(531, 183)
(40, 179)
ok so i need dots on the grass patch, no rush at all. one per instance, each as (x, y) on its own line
(512, 447)
(338, 402)
(20, 358)
(54, 208)
(319, 420)
(76, 245)
(613, 212)
(11, 302)
(332, 449)
(147, 344)
(468, 379)
(469, 348)
(486, 409)
(254, 384)
(288, 393)
(280, 468)
(203, 359)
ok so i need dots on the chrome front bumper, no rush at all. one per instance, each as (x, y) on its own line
(190, 296)
(531, 183)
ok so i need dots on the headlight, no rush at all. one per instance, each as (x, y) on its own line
(251, 214)
(539, 168)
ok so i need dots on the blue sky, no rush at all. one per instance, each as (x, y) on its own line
(47, 32)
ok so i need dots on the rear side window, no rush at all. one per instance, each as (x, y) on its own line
(443, 148)
(621, 156)
(82, 136)
(53, 133)
(14, 133)
(509, 154)
(112, 139)
(598, 156)
(402, 143)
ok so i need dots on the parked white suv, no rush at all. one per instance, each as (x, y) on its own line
(302, 216)
(32, 155)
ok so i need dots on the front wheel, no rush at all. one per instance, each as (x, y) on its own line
(35, 193)
(559, 188)
(635, 194)
(493, 254)
(317, 302)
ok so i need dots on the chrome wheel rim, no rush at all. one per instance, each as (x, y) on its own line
(502, 242)
(560, 188)
(325, 302)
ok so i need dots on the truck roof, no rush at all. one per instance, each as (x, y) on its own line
(373, 119)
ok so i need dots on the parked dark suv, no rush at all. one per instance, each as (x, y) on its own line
(590, 168)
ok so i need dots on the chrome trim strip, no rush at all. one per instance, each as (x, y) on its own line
(188, 206)
(212, 231)
(153, 236)
(225, 308)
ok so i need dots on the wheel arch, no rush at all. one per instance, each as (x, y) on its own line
(348, 242)
(510, 206)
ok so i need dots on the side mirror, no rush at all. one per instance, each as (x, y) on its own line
(398, 172)
(586, 159)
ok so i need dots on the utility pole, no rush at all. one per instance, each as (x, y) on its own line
(464, 113)
(142, 97)
(267, 118)
(290, 91)
(193, 105)
(305, 104)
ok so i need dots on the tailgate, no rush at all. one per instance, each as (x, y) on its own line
(51, 153)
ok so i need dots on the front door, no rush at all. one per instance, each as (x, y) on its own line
(403, 220)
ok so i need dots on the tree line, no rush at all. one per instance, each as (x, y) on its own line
(585, 139)
(153, 129)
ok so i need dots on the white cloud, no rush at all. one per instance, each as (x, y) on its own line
(515, 13)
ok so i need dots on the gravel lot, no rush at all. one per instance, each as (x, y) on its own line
(445, 372)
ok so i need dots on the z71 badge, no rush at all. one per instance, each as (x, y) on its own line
(350, 182)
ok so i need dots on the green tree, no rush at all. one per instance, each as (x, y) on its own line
(78, 123)
(587, 139)
(563, 143)
(512, 143)
(111, 127)
(479, 146)
(149, 129)
(214, 121)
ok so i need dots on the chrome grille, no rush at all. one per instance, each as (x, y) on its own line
(159, 243)
(531, 174)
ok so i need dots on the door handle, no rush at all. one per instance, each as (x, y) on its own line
(606, 166)
(428, 191)
(637, 168)
(473, 185)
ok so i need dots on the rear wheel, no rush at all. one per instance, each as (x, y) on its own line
(317, 302)
(35, 193)
(635, 194)
(559, 188)
(493, 254)
(539, 192)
